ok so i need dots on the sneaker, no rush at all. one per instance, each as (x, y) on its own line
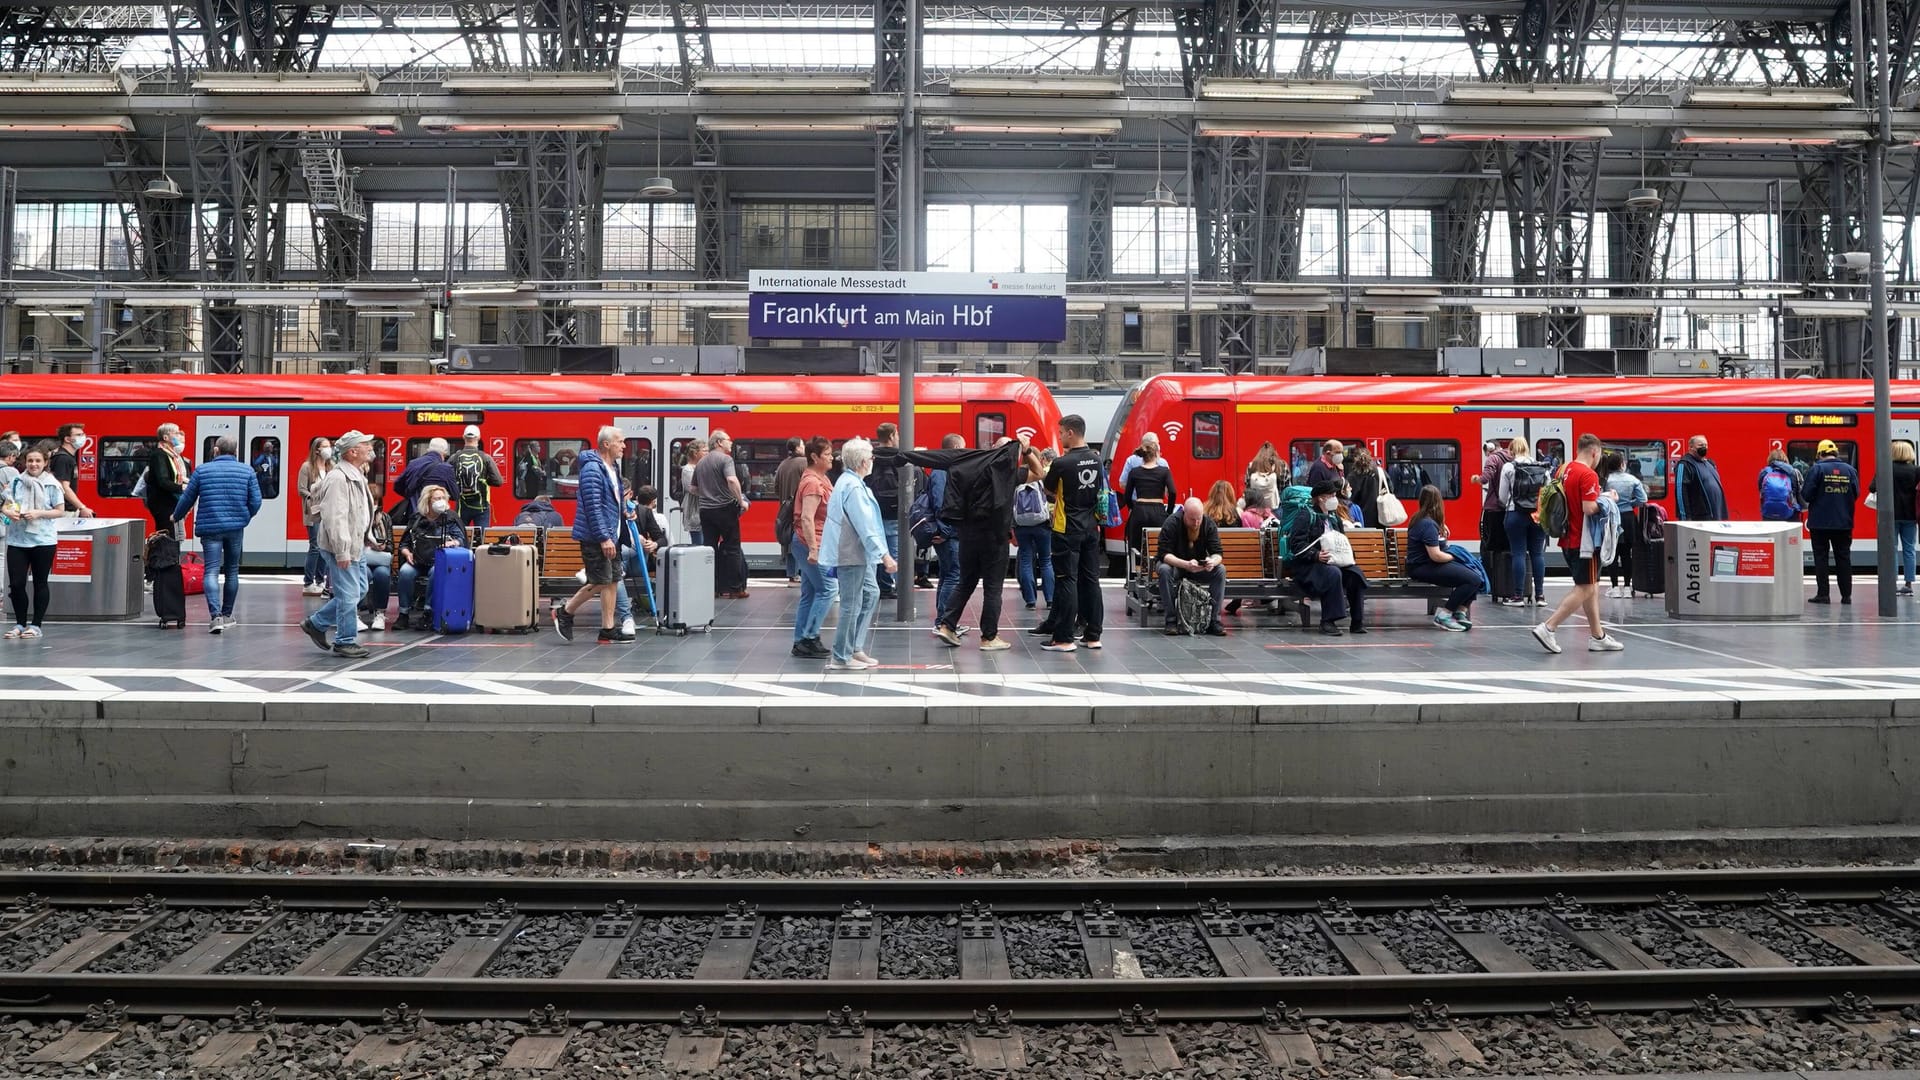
(352, 650)
(1463, 620)
(31, 633)
(615, 636)
(801, 650)
(1331, 629)
(379, 621)
(863, 658)
(1030, 606)
(580, 576)
(401, 622)
(1043, 630)
(312, 589)
(326, 592)
(994, 644)
(1512, 601)
(947, 635)
(1537, 600)
(1546, 639)
(1172, 630)
(366, 619)
(627, 627)
(1904, 590)
(318, 635)
(16, 633)
(1608, 643)
(1216, 630)
(1612, 593)
(963, 630)
(845, 665)
(216, 624)
(1444, 620)
(563, 623)
(1058, 646)
(1090, 642)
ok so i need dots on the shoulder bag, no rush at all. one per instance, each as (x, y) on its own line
(1392, 511)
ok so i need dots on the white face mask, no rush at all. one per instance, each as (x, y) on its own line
(1330, 504)
(326, 453)
(1339, 458)
(440, 506)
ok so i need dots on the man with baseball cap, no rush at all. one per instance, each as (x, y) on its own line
(1830, 490)
(345, 507)
(475, 474)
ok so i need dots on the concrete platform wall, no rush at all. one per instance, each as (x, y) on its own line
(501, 769)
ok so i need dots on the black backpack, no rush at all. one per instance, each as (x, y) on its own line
(1528, 478)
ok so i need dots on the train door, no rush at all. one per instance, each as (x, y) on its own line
(1907, 431)
(262, 446)
(657, 447)
(1551, 439)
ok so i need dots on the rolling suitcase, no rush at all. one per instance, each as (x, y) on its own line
(169, 584)
(506, 588)
(1650, 567)
(450, 596)
(687, 582)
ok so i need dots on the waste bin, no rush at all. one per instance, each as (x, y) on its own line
(1734, 570)
(98, 569)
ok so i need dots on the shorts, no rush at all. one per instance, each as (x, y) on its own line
(1580, 566)
(600, 569)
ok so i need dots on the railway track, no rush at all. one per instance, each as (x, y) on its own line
(1269, 951)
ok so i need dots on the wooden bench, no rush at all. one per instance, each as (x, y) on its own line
(1377, 553)
(1245, 554)
(1396, 580)
(559, 562)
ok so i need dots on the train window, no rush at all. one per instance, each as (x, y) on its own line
(122, 460)
(679, 464)
(206, 448)
(988, 430)
(1208, 444)
(1550, 452)
(1646, 459)
(416, 447)
(547, 468)
(756, 460)
(1413, 465)
(1301, 454)
(1802, 454)
(377, 471)
(264, 455)
(637, 465)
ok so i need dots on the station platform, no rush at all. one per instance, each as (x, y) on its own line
(125, 729)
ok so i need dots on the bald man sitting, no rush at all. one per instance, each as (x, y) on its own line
(1190, 551)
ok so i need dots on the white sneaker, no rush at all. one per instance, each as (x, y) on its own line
(379, 621)
(627, 627)
(1608, 643)
(1546, 639)
(311, 590)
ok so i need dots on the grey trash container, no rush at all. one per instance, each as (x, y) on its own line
(98, 569)
(1735, 570)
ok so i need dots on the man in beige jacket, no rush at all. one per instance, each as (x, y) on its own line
(345, 509)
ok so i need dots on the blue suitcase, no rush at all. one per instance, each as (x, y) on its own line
(450, 594)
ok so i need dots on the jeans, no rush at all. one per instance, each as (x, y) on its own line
(1341, 591)
(983, 562)
(817, 593)
(892, 525)
(1215, 581)
(1036, 554)
(796, 553)
(947, 551)
(1906, 531)
(721, 524)
(1077, 560)
(1840, 543)
(413, 587)
(339, 613)
(221, 551)
(857, 605)
(317, 561)
(379, 582)
(622, 599)
(37, 562)
(1464, 582)
(1528, 542)
(480, 518)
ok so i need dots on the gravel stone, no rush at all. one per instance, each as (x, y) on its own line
(668, 948)
(1799, 947)
(1044, 947)
(793, 947)
(920, 947)
(153, 949)
(540, 948)
(1660, 939)
(1420, 944)
(1883, 928)
(410, 950)
(282, 950)
(1171, 948)
(1295, 944)
(1546, 950)
(46, 937)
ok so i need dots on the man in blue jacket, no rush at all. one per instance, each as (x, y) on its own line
(598, 522)
(228, 494)
(430, 468)
(1830, 490)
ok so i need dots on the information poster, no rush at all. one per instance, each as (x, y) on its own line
(1737, 561)
(73, 559)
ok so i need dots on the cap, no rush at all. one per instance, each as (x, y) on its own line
(1326, 487)
(350, 440)
(472, 432)
(1827, 447)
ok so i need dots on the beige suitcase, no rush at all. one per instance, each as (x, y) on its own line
(506, 588)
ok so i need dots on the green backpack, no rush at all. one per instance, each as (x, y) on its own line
(1295, 500)
(1550, 507)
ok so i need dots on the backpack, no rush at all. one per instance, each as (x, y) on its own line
(923, 518)
(1653, 522)
(1029, 506)
(1192, 608)
(470, 476)
(1528, 478)
(1551, 507)
(1297, 499)
(1776, 496)
(1107, 505)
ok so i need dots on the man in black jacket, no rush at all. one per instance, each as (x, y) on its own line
(1190, 551)
(979, 506)
(884, 482)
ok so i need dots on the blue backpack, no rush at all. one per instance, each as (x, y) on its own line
(923, 518)
(1776, 496)
(1295, 500)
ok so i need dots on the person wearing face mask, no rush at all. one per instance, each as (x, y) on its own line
(1697, 495)
(313, 580)
(434, 526)
(228, 496)
(1329, 466)
(1322, 563)
(1189, 550)
(346, 514)
(167, 471)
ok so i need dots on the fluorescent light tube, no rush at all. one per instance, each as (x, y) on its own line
(1283, 129)
(1766, 97)
(1769, 137)
(1478, 93)
(781, 82)
(1283, 90)
(385, 125)
(556, 82)
(164, 301)
(1430, 133)
(284, 82)
(1014, 85)
(64, 82)
(1014, 125)
(66, 123)
(797, 122)
(585, 122)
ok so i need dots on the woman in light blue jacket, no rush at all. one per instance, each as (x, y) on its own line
(856, 542)
(33, 506)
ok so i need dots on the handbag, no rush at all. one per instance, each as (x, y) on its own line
(1873, 500)
(1338, 548)
(1392, 511)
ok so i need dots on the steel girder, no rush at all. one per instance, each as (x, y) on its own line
(1460, 237)
(481, 27)
(1285, 205)
(894, 32)
(339, 220)
(55, 37)
(1826, 221)
(1226, 38)
(1116, 42)
(1639, 244)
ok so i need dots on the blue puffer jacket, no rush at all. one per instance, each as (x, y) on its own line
(228, 493)
(597, 516)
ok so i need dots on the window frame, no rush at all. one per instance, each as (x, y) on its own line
(755, 461)
(254, 446)
(1849, 452)
(146, 443)
(1299, 475)
(1391, 458)
(1219, 436)
(1659, 449)
(549, 489)
(982, 440)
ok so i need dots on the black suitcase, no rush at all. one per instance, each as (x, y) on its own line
(1650, 567)
(169, 582)
(1499, 567)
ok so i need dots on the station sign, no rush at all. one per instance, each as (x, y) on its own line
(867, 305)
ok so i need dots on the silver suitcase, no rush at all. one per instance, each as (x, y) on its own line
(687, 571)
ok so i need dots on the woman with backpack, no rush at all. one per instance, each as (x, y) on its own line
(1906, 474)
(1780, 489)
(1520, 482)
(1033, 537)
(1263, 475)
(1630, 495)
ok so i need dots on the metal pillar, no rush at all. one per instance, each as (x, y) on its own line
(1877, 326)
(1226, 38)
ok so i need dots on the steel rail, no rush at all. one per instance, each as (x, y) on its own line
(647, 896)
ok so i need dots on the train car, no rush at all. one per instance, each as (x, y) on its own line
(534, 428)
(1429, 431)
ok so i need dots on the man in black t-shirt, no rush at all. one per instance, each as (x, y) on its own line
(1073, 482)
(884, 482)
(65, 466)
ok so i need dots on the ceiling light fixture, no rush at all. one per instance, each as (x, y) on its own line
(283, 82)
(1464, 133)
(1770, 97)
(1161, 197)
(382, 125)
(1479, 93)
(555, 82)
(163, 187)
(659, 185)
(75, 124)
(1284, 90)
(65, 82)
(1768, 137)
(994, 84)
(798, 122)
(1037, 126)
(559, 122)
(781, 82)
(1296, 130)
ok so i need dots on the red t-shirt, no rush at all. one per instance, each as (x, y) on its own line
(814, 484)
(1582, 486)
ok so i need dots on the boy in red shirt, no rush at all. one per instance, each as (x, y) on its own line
(1582, 486)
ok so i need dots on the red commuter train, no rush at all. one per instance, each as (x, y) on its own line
(534, 427)
(1430, 430)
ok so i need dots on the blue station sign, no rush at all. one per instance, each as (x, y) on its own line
(881, 306)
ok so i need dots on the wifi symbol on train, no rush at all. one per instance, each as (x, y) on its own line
(1025, 432)
(1172, 428)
